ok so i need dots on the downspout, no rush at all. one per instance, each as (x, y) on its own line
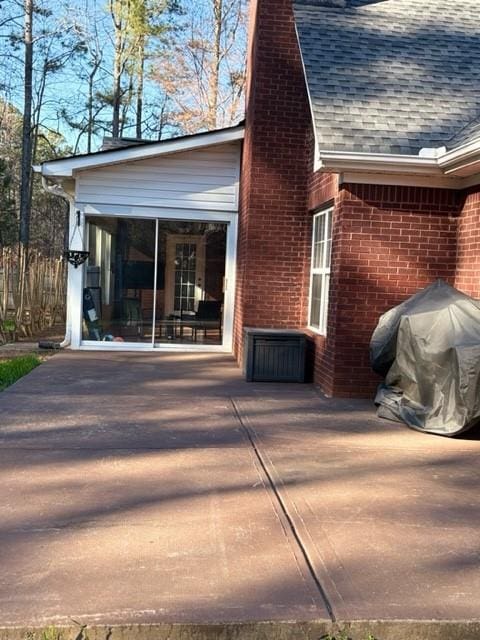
(57, 190)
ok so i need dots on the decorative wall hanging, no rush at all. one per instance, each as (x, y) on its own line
(76, 257)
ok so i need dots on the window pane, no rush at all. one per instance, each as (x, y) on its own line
(318, 255)
(320, 228)
(326, 288)
(328, 253)
(316, 298)
(328, 230)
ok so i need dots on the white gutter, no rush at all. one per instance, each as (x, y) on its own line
(462, 161)
(57, 189)
(461, 153)
(341, 161)
(455, 169)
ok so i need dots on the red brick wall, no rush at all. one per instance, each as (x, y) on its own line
(392, 241)
(468, 257)
(273, 222)
(324, 192)
(388, 241)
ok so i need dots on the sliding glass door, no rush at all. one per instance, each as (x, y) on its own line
(154, 282)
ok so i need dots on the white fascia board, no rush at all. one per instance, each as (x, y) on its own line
(342, 161)
(460, 155)
(462, 161)
(463, 169)
(65, 168)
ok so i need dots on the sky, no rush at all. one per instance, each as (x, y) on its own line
(64, 93)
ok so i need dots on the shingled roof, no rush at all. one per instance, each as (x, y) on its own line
(391, 76)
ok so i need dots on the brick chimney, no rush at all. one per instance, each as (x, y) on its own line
(274, 223)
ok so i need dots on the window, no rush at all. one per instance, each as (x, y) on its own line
(320, 270)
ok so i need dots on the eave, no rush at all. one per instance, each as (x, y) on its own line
(462, 161)
(455, 169)
(340, 161)
(66, 167)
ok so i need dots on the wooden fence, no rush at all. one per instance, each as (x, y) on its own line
(32, 292)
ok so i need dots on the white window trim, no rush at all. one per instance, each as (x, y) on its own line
(322, 271)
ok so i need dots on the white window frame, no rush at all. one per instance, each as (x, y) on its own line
(323, 271)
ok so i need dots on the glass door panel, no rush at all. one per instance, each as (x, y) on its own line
(118, 291)
(193, 257)
(154, 281)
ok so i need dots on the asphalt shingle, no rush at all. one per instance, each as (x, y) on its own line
(392, 76)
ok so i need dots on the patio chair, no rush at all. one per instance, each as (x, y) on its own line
(208, 317)
(132, 320)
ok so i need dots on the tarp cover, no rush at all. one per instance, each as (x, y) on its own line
(428, 349)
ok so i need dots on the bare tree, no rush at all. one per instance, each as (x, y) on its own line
(204, 73)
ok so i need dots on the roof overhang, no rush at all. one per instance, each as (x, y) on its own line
(455, 169)
(462, 161)
(65, 167)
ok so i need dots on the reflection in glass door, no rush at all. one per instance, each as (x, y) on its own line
(154, 281)
(119, 280)
(185, 276)
(185, 273)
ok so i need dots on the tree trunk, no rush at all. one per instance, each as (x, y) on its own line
(140, 79)
(117, 68)
(26, 167)
(91, 79)
(215, 73)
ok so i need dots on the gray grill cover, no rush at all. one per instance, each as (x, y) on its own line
(429, 350)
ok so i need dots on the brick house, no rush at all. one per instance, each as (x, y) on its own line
(363, 133)
(354, 182)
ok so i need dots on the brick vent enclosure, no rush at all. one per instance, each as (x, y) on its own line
(388, 241)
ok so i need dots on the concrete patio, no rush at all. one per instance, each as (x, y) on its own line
(159, 495)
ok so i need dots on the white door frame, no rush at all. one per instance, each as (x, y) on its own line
(76, 276)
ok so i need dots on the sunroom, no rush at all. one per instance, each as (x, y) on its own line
(152, 242)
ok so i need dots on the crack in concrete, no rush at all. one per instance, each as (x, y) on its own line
(283, 507)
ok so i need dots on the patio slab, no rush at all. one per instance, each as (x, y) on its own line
(118, 508)
(162, 489)
(389, 517)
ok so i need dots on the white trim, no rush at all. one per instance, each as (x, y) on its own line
(324, 271)
(155, 277)
(461, 153)
(155, 212)
(92, 345)
(456, 169)
(400, 180)
(230, 283)
(66, 167)
(230, 219)
(340, 161)
(76, 277)
(463, 169)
